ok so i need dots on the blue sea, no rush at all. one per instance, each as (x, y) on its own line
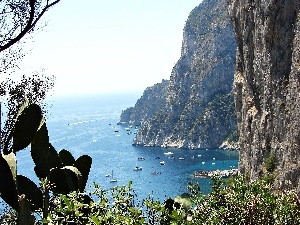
(88, 125)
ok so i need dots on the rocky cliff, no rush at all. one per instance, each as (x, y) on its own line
(266, 86)
(152, 100)
(199, 109)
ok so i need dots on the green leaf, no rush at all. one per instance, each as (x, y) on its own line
(43, 153)
(83, 164)
(26, 126)
(25, 216)
(66, 179)
(77, 179)
(7, 140)
(12, 163)
(31, 191)
(95, 220)
(8, 189)
(66, 158)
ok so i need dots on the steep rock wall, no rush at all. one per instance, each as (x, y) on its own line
(266, 86)
(153, 99)
(199, 110)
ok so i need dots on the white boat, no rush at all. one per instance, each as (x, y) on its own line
(181, 158)
(162, 163)
(141, 158)
(137, 168)
(168, 153)
(112, 177)
(108, 175)
(155, 172)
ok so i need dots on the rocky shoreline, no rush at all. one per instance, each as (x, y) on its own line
(230, 146)
(233, 146)
(216, 173)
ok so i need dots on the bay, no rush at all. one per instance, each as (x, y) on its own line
(88, 125)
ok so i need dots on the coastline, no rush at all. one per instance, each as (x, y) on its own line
(216, 173)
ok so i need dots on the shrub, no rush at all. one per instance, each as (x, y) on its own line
(270, 163)
(232, 201)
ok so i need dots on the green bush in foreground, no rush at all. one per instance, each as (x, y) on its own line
(232, 201)
(238, 202)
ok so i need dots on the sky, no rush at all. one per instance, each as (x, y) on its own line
(106, 46)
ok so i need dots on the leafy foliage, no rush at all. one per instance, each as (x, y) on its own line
(239, 202)
(232, 201)
(34, 89)
(270, 163)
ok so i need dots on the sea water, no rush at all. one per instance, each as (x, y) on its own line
(88, 125)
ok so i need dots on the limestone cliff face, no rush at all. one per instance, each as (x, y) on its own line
(266, 85)
(152, 100)
(199, 107)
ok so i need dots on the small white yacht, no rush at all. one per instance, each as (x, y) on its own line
(112, 177)
(168, 153)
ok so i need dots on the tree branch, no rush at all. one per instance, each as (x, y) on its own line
(31, 23)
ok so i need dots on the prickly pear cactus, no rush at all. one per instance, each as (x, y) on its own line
(64, 172)
(83, 164)
(43, 153)
(26, 126)
(8, 188)
(66, 158)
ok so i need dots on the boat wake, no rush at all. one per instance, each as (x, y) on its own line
(80, 122)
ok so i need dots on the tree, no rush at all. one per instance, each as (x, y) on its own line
(33, 88)
(18, 19)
